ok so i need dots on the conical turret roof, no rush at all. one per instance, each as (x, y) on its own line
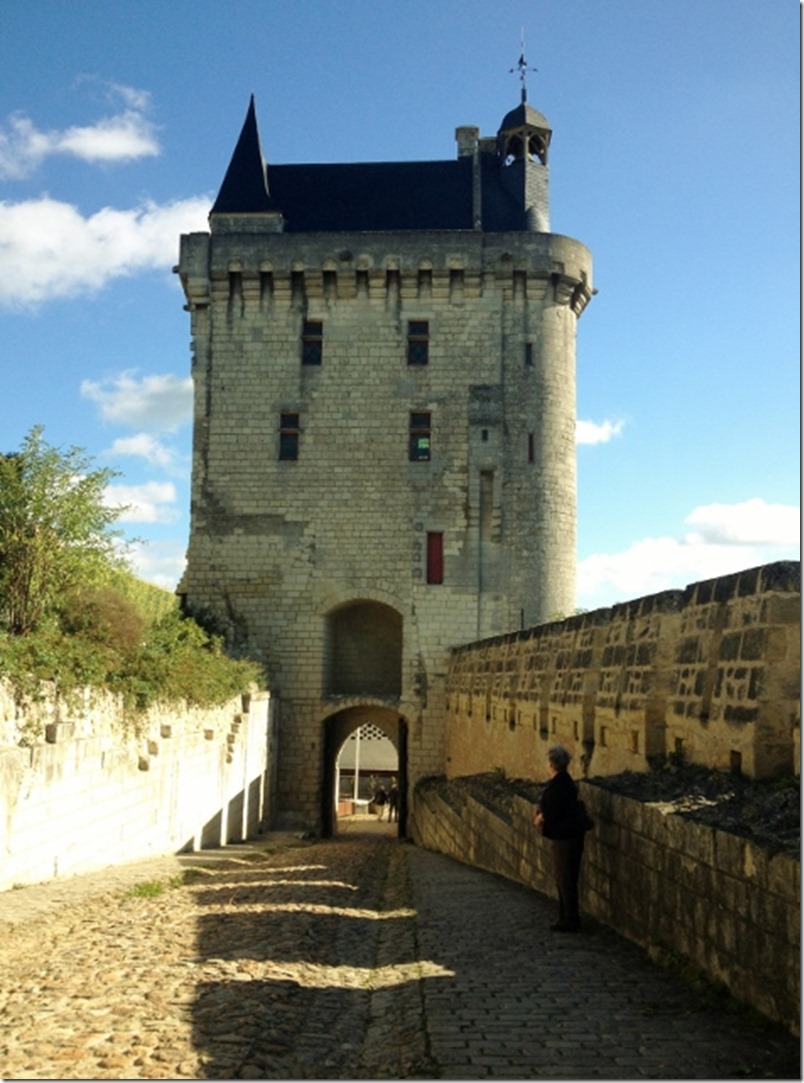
(245, 186)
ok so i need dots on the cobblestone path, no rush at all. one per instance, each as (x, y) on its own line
(357, 958)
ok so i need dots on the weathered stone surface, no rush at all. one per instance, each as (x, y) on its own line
(710, 676)
(361, 958)
(662, 867)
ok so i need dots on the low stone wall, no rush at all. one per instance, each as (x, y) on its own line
(80, 792)
(709, 675)
(680, 889)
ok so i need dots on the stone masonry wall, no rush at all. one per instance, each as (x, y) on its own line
(81, 792)
(709, 675)
(684, 891)
(279, 547)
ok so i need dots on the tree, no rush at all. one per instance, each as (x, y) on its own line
(56, 531)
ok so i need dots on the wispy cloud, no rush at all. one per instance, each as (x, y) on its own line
(156, 403)
(152, 502)
(147, 447)
(123, 137)
(594, 432)
(48, 250)
(730, 537)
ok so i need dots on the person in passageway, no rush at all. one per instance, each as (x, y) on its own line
(561, 819)
(393, 802)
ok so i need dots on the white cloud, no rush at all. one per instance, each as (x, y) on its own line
(132, 97)
(751, 523)
(123, 137)
(48, 250)
(593, 432)
(153, 502)
(114, 139)
(161, 403)
(726, 543)
(147, 447)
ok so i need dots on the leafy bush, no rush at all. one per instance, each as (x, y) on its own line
(56, 531)
(73, 615)
(175, 660)
(47, 655)
(180, 661)
(104, 616)
(150, 601)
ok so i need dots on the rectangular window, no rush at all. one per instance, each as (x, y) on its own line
(528, 355)
(531, 448)
(418, 342)
(435, 558)
(289, 437)
(419, 440)
(312, 342)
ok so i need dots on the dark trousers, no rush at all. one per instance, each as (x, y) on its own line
(567, 854)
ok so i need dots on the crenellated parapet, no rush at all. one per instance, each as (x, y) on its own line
(709, 675)
(277, 269)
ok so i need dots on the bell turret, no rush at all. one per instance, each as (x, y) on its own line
(523, 140)
(522, 144)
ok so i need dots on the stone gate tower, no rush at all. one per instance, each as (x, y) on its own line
(384, 434)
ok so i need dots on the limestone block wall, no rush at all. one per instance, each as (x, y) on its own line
(279, 546)
(80, 791)
(682, 890)
(709, 675)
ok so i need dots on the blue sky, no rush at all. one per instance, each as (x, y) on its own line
(675, 159)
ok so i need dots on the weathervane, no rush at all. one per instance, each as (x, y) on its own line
(522, 66)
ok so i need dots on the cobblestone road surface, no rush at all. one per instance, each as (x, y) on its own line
(358, 958)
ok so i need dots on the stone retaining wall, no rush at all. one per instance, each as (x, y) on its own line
(81, 792)
(682, 890)
(709, 675)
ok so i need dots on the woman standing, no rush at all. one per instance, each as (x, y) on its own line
(561, 819)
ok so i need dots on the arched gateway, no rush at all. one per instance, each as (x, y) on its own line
(339, 728)
(384, 432)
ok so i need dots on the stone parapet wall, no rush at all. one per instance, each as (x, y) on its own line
(80, 790)
(686, 892)
(709, 675)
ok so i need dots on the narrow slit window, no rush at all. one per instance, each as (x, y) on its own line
(312, 342)
(531, 448)
(289, 437)
(435, 558)
(418, 342)
(529, 355)
(419, 438)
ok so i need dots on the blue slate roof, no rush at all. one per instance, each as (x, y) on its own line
(364, 196)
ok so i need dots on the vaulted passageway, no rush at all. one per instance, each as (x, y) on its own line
(365, 745)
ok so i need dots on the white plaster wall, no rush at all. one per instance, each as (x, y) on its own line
(85, 792)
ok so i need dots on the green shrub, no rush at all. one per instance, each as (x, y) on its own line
(73, 615)
(178, 660)
(174, 660)
(151, 602)
(104, 616)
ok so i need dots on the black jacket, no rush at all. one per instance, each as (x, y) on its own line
(559, 806)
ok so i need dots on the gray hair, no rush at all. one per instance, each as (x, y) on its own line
(559, 757)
